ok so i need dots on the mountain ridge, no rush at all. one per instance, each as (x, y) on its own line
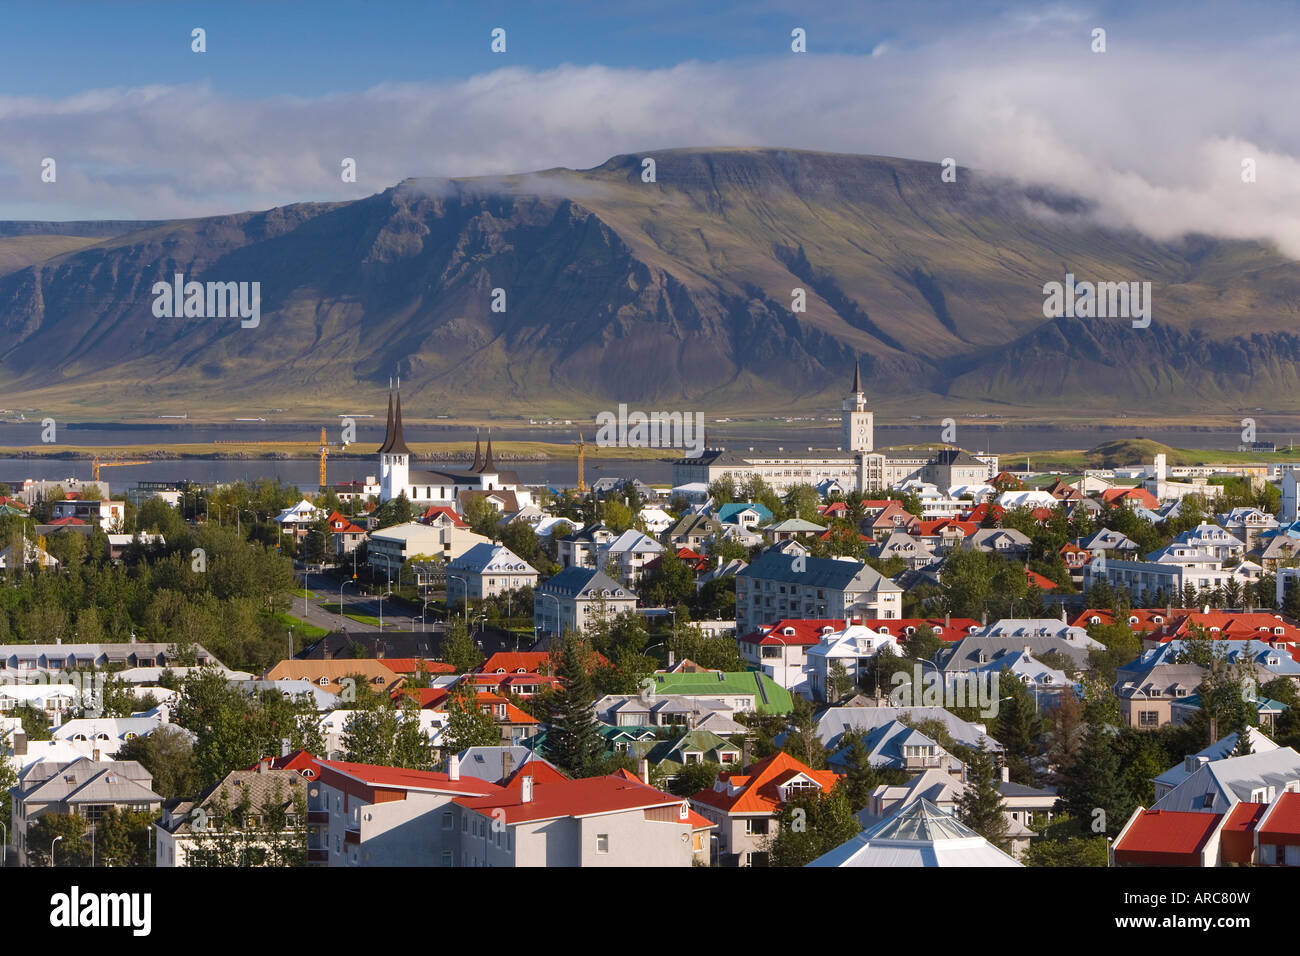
(675, 293)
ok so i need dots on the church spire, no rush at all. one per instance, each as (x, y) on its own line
(394, 442)
(488, 466)
(857, 376)
(478, 455)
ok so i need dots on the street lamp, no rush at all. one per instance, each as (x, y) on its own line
(543, 594)
(465, 585)
(52, 842)
(341, 587)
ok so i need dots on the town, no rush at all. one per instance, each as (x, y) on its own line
(834, 658)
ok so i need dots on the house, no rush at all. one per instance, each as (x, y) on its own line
(188, 831)
(779, 585)
(917, 835)
(791, 529)
(655, 519)
(900, 746)
(834, 722)
(691, 531)
(1220, 784)
(344, 534)
(443, 516)
(779, 650)
(1110, 543)
(1148, 687)
(742, 691)
(487, 570)
(913, 552)
(629, 553)
(748, 514)
(577, 597)
(581, 548)
(82, 787)
(365, 815)
(613, 821)
(1007, 542)
(54, 699)
(649, 710)
(337, 676)
(1032, 636)
(515, 725)
(98, 737)
(1075, 557)
(31, 554)
(297, 520)
(499, 764)
(746, 806)
(1219, 750)
(1251, 833)
(854, 647)
(693, 747)
(105, 515)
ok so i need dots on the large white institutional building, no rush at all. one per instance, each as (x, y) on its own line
(856, 465)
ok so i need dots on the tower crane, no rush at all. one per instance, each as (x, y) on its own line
(323, 444)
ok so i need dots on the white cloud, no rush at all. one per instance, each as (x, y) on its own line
(1153, 135)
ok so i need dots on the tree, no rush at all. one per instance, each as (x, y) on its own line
(1018, 726)
(122, 838)
(1095, 783)
(236, 832)
(394, 511)
(73, 848)
(459, 649)
(838, 682)
(860, 778)
(803, 741)
(980, 805)
(168, 755)
(694, 777)
(386, 735)
(467, 726)
(573, 742)
(1059, 844)
(810, 826)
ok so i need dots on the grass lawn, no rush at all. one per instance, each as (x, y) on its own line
(300, 628)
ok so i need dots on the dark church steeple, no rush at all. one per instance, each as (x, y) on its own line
(857, 377)
(394, 443)
(478, 455)
(489, 467)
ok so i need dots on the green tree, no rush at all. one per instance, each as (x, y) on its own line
(459, 649)
(838, 682)
(73, 848)
(694, 777)
(980, 805)
(122, 838)
(572, 742)
(811, 826)
(467, 726)
(168, 755)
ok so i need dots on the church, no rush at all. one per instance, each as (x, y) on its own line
(423, 488)
(855, 465)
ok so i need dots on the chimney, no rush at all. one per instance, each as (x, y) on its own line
(94, 755)
(1006, 774)
(1205, 609)
(453, 767)
(947, 622)
(19, 741)
(526, 789)
(643, 770)
(284, 746)
(507, 763)
(263, 765)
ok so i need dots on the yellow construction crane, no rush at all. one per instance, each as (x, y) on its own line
(323, 443)
(96, 464)
(582, 460)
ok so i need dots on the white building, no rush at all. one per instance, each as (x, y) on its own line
(486, 570)
(855, 647)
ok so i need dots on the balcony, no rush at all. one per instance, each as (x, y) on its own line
(318, 816)
(317, 855)
(352, 837)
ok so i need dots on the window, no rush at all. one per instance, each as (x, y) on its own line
(602, 842)
(1149, 718)
(447, 858)
(446, 820)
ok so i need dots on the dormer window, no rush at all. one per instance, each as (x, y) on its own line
(1094, 620)
(1159, 619)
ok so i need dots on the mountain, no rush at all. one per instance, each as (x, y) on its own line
(674, 294)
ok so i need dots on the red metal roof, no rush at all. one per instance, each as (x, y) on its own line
(402, 779)
(1166, 838)
(570, 798)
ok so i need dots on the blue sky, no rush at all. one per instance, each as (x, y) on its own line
(141, 127)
